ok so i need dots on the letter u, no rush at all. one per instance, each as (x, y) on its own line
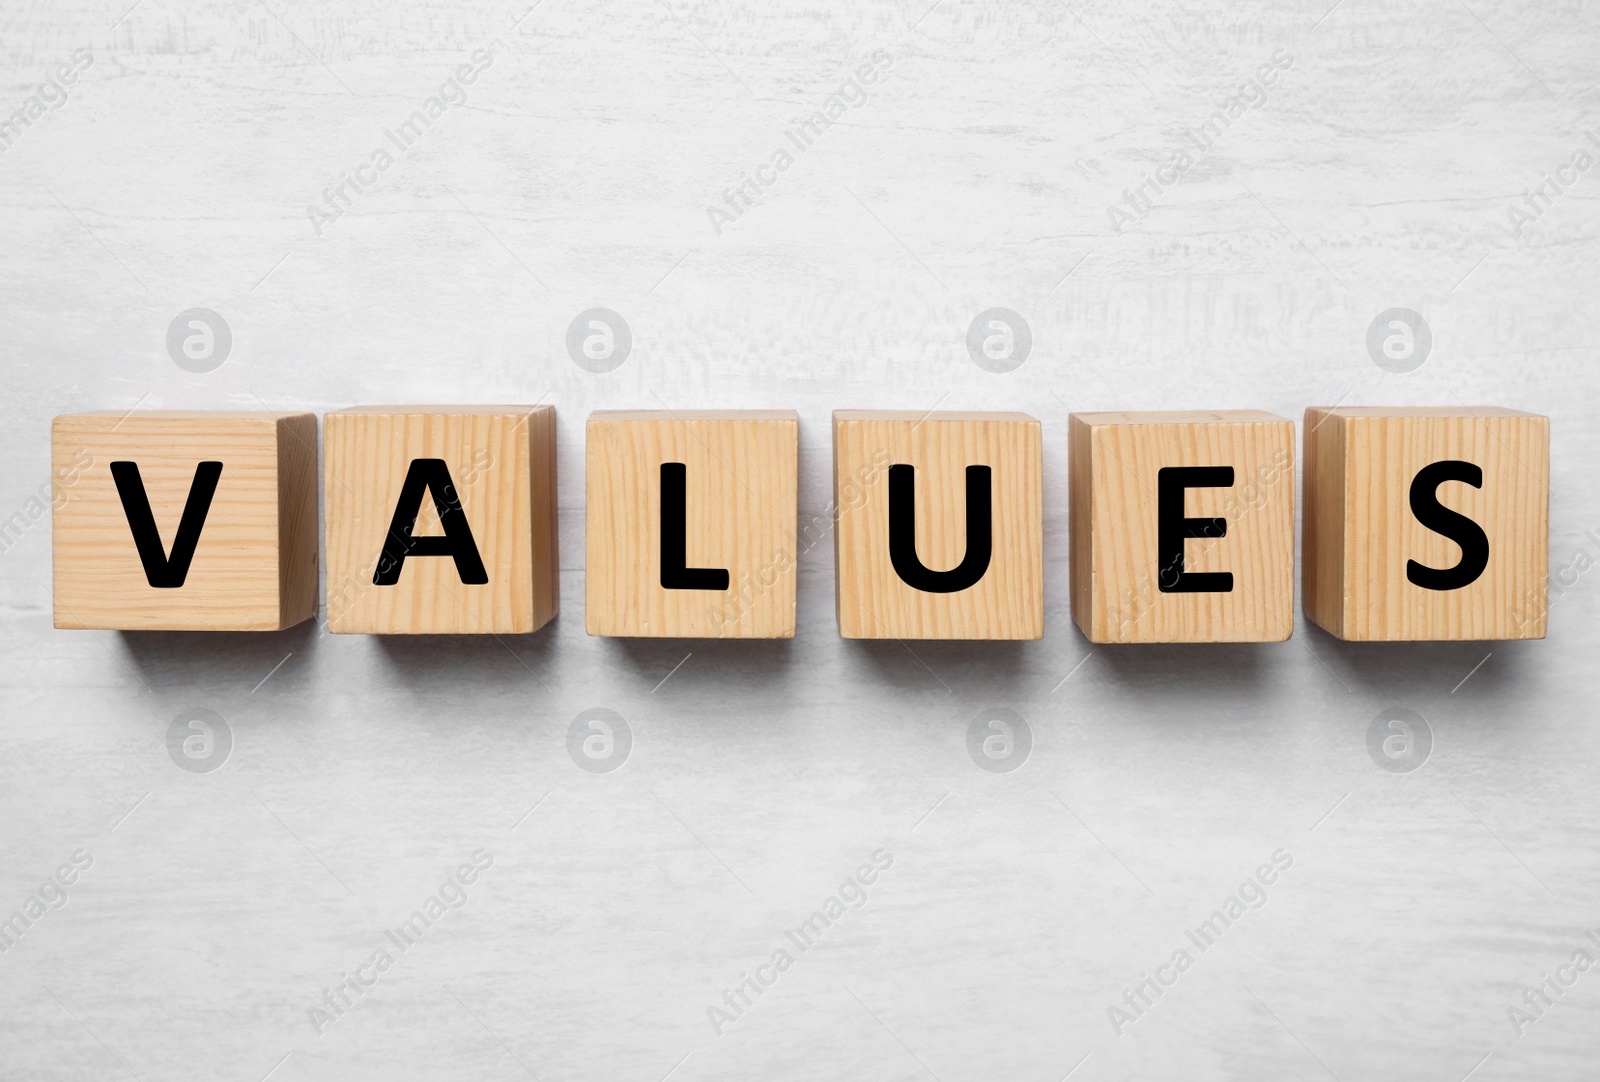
(903, 532)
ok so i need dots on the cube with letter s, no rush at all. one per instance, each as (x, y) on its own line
(1427, 522)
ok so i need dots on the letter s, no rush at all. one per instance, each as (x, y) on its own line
(1457, 527)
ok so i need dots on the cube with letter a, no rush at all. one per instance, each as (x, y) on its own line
(691, 523)
(938, 525)
(1427, 523)
(1182, 526)
(178, 520)
(440, 519)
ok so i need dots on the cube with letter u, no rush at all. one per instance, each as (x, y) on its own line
(938, 525)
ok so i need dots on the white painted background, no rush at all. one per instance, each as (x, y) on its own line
(1019, 906)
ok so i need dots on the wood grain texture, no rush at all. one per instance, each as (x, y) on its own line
(1115, 562)
(255, 566)
(741, 501)
(1361, 532)
(871, 600)
(502, 464)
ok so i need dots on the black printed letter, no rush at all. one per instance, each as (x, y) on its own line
(903, 533)
(432, 475)
(1457, 527)
(1172, 529)
(675, 536)
(160, 570)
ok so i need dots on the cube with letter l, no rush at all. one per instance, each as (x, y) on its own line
(691, 523)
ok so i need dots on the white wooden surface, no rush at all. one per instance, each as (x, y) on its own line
(976, 174)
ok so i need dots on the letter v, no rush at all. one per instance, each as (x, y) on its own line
(162, 571)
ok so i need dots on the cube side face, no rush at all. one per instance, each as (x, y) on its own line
(1080, 519)
(299, 535)
(872, 600)
(544, 503)
(1383, 536)
(1125, 565)
(741, 509)
(233, 581)
(488, 464)
(1323, 533)
(837, 487)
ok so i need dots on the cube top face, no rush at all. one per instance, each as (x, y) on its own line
(475, 488)
(1180, 417)
(917, 417)
(1182, 526)
(1450, 413)
(175, 420)
(453, 410)
(229, 546)
(921, 520)
(1427, 523)
(711, 416)
(691, 523)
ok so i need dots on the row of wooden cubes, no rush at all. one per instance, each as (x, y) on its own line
(1419, 523)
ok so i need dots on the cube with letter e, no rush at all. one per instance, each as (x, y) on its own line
(1182, 526)
(1427, 523)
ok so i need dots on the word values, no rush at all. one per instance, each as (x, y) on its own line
(1419, 523)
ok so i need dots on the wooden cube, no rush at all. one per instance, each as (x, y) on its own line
(441, 519)
(1427, 523)
(938, 525)
(1182, 526)
(174, 520)
(692, 519)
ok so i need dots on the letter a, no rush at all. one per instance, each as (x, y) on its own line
(431, 475)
